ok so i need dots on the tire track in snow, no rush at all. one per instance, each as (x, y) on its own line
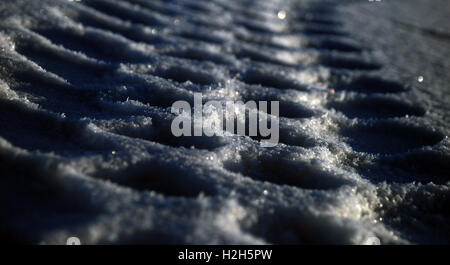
(107, 72)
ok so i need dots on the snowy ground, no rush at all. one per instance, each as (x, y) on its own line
(85, 142)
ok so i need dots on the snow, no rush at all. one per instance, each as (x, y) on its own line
(86, 149)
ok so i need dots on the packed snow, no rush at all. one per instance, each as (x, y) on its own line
(86, 150)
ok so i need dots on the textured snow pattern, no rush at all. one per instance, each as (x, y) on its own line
(86, 149)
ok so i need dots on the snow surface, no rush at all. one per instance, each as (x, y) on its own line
(85, 142)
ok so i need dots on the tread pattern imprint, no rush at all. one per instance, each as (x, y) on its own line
(86, 150)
